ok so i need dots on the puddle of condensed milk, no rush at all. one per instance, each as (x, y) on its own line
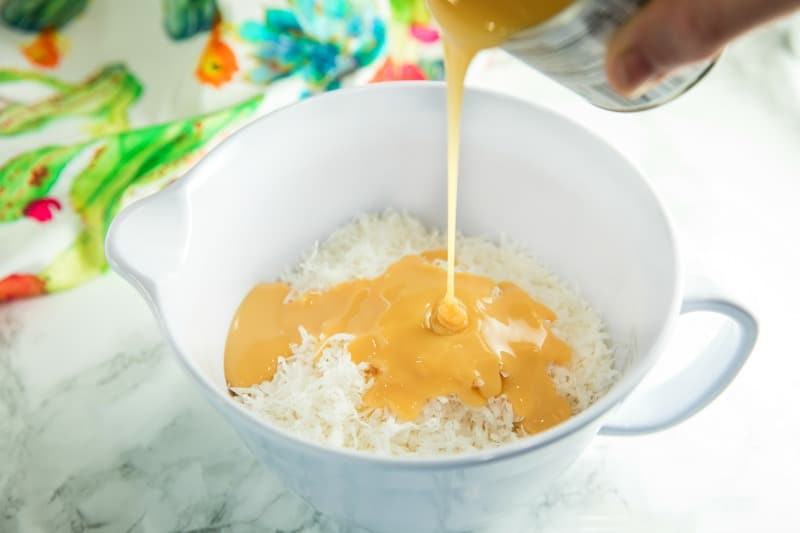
(506, 348)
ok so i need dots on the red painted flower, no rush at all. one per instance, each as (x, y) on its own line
(425, 34)
(17, 286)
(390, 71)
(42, 209)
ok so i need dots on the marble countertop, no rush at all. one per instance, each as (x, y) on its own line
(100, 431)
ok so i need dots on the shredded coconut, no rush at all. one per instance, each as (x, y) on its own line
(317, 391)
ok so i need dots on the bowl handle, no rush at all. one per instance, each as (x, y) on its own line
(696, 386)
(147, 240)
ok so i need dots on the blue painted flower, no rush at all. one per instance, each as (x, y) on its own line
(320, 40)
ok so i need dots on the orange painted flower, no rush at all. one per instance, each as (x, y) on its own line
(218, 63)
(45, 50)
(17, 286)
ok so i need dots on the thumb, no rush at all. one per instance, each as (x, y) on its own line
(667, 34)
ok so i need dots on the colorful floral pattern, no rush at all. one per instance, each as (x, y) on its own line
(119, 164)
(320, 41)
(413, 36)
(71, 152)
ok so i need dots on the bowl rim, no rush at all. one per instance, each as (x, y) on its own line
(618, 392)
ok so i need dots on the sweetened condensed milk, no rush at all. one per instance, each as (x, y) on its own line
(506, 347)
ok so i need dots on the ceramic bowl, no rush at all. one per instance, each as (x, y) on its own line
(259, 200)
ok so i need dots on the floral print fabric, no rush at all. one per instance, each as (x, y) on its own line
(103, 102)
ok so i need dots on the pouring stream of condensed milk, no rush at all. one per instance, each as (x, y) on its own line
(491, 340)
(470, 26)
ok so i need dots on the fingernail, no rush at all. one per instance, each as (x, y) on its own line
(632, 71)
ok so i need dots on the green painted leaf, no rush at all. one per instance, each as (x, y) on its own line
(38, 15)
(30, 176)
(121, 162)
(185, 18)
(106, 94)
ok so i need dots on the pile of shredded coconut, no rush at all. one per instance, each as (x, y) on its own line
(316, 392)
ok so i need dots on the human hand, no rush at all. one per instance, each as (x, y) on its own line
(668, 34)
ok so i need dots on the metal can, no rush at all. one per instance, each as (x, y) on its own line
(571, 48)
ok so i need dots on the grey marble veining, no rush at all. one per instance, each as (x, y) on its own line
(124, 443)
(101, 432)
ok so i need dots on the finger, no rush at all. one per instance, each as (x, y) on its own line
(667, 34)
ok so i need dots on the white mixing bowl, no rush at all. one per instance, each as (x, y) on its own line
(260, 199)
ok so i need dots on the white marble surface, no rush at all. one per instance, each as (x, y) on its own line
(100, 431)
